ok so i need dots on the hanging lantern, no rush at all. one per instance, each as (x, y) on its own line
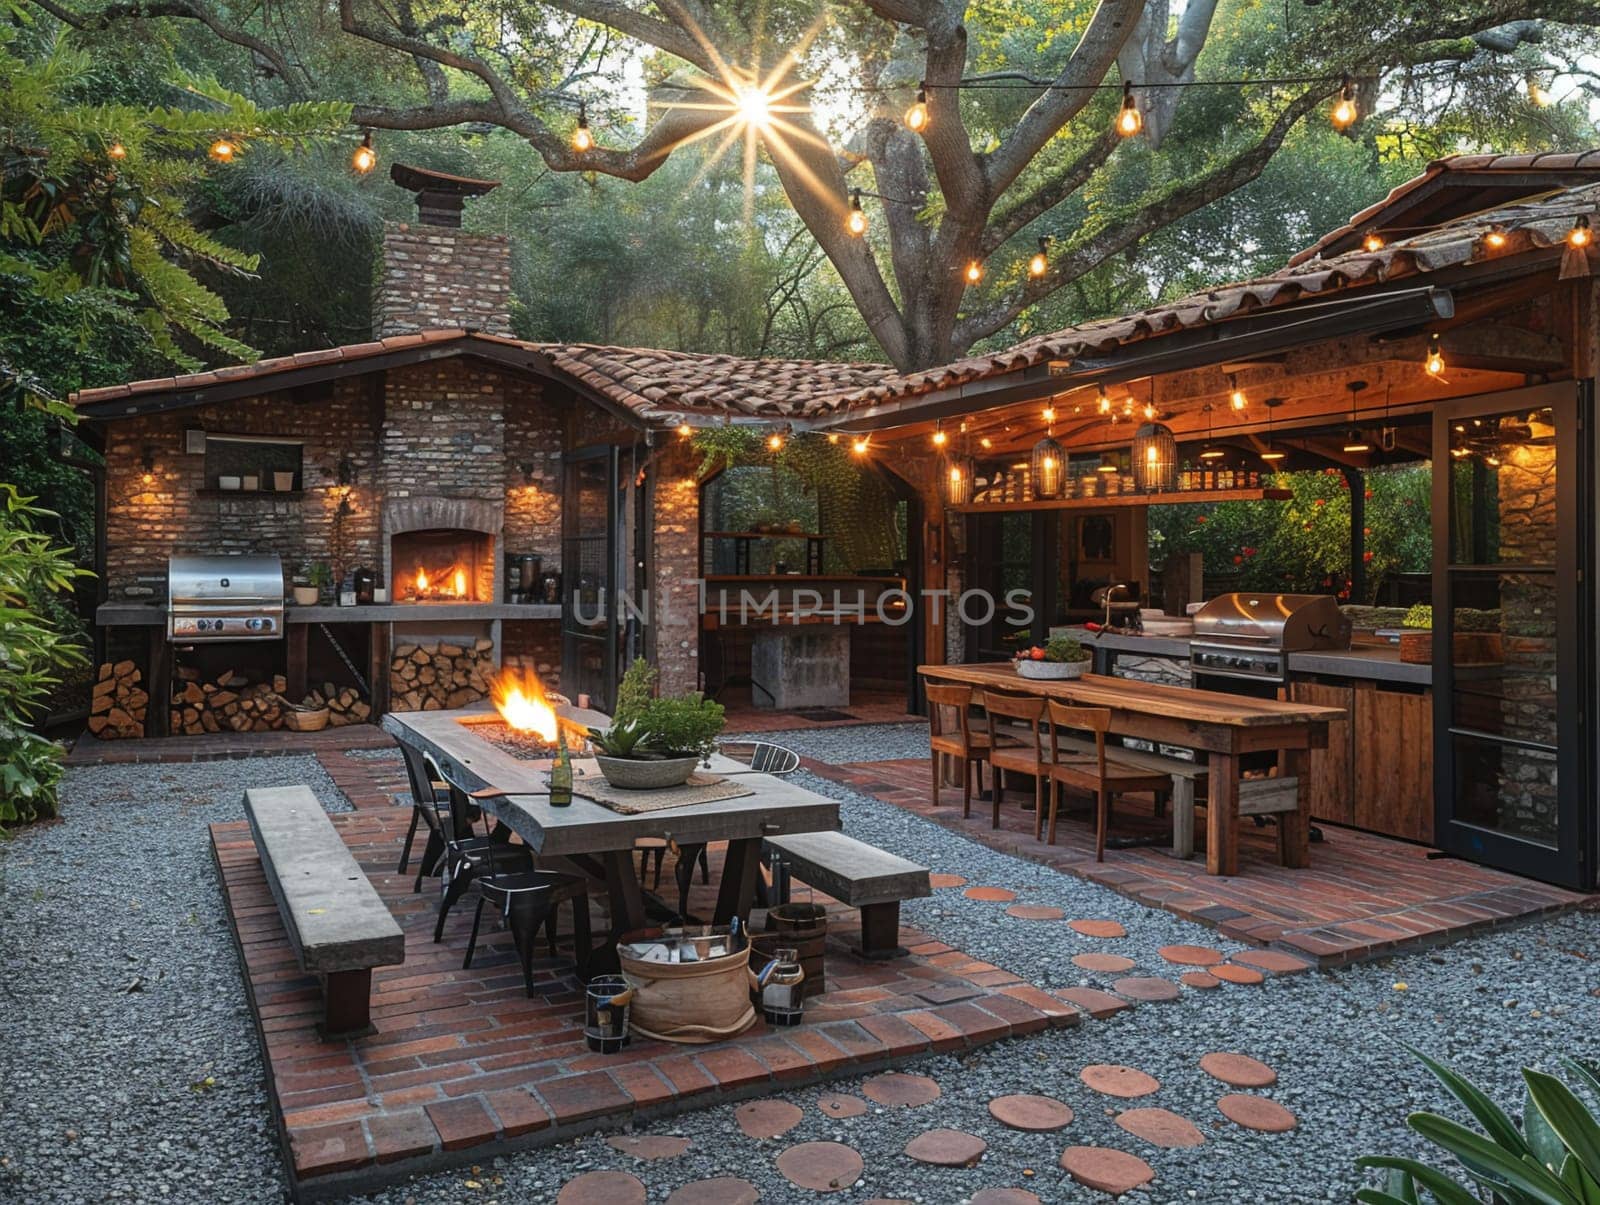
(1049, 468)
(1155, 458)
(958, 481)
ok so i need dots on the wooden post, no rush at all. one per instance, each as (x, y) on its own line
(1294, 828)
(158, 679)
(1222, 814)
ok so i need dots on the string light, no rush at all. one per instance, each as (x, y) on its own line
(917, 114)
(986, 443)
(1435, 361)
(859, 445)
(1580, 235)
(1049, 414)
(1149, 412)
(1345, 111)
(1129, 120)
(1496, 238)
(1373, 241)
(582, 136)
(775, 442)
(1236, 399)
(685, 430)
(365, 158)
(1039, 264)
(856, 220)
(117, 151)
(974, 272)
(223, 150)
(939, 437)
(833, 437)
(1104, 402)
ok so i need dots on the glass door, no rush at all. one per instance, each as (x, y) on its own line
(590, 523)
(1509, 638)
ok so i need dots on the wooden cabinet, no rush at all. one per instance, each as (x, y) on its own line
(1377, 771)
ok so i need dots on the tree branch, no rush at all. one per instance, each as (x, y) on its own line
(1052, 192)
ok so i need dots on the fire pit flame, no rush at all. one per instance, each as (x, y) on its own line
(520, 700)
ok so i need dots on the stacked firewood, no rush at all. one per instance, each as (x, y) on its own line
(344, 706)
(117, 703)
(228, 702)
(444, 676)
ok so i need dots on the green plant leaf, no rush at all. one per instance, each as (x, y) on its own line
(1572, 1122)
(1445, 1190)
(1489, 1115)
(1543, 1141)
(1376, 1196)
(1401, 1184)
(1587, 1186)
(1488, 1161)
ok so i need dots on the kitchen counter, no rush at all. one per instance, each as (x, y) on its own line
(1375, 662)
(131, 614)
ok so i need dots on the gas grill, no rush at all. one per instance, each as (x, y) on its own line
(224, 598)
(1251, 635)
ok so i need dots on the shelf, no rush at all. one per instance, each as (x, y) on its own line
(760, 535)
(215, 493)
(1170, 498)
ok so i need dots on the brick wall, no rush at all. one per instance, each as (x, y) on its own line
(535, 435)
(436, 276)
(674, 637)
(533, 644)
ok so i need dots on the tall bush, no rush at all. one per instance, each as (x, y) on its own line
(34, 650)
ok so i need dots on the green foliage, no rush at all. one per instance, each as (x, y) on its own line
(34, 652)
(1419, 616)
(1065, 648)
(625, 738)
(1553, 1159)
(683, 725)
(1302, 544)
(634, 692)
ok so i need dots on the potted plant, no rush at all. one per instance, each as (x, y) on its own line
(1060, 657)
(304, 593)
(1475, 640)
(320, 577)
(655, 742)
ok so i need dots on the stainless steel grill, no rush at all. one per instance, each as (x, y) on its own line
(1252, 635)
(224, 598)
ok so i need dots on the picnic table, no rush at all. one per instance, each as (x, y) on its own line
(1224, 727)
(598, 841)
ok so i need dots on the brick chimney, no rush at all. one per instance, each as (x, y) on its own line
(431, 273)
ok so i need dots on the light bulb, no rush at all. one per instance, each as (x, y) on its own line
(856, 220)
(986, 443)
(1496, 238)
(1039, 264)
(117, 151)
(1580, 235)
(223, 150)
(1435, 361)
(365, 158)
(582, 137)
(1345, 110)
(940, 439)
(1237, 400)
(1049, 414)
(1129, 120)
(955, 475)
(859, 446)
(974, 272)
(1105, 403)
(1373, 241)
(1150, 412)
(1272, 455)
(774, 442)
(833, 437)
(685, 430)
(917, 114)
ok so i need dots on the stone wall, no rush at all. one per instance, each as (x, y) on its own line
(535, 435)
(435, 276)
(533, 644)
(673, 641)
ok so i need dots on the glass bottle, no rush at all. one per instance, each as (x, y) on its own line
(561, 775)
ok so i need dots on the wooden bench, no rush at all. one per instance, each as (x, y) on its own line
(338, 925)
(862, 876)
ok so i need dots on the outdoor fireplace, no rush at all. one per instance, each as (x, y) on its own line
(442, 565)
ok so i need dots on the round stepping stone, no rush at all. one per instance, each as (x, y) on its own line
(1105, 1168)
(1004, 1196)
(836, 1105)
(1113, 1079)
(1191, 956)
(648, 1146)
(1238, 1070)
(722, 1190)
(896, 1089)
(1236, 974)
(1034, 912)
(946, 880)
(821, 1166)
(1111, 964)
(1143, 988)
(602, 1188)
(1161, 1127)
(1257, 1113)
(946, 1148)
(767, 1118)
(1200, 979)
(1098, 928)
(1025, 1112)
(990, 895)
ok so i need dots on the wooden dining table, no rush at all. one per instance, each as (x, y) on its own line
(599, 842)
(1223, 727)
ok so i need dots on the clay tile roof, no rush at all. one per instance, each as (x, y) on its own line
(1535, 223)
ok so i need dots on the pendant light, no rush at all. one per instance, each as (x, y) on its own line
(1355, 439)
(1272, 455)
(1345, 111)
(1049, 466)
(958, 481)
(1211, 451)
(1155, 458)
(582, 136)
(917, 114)
(855, 220)
(1129, 120)
(365, 158)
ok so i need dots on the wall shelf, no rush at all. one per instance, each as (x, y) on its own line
(216, 493)
(1169, 498)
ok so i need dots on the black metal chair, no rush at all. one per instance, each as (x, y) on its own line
(428, 793)
(529, 900)
(765, 758)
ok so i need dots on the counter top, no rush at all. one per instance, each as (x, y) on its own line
(132, 614)
(1377, 662)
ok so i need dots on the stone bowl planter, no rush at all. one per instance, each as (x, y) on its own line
(646, 774)
(1051, 670)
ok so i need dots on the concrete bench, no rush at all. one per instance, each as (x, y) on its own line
(338, 925)
(862, 876)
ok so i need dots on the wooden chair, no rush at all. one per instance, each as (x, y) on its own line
(953, 733)
(1101, 776)
(1023, 753)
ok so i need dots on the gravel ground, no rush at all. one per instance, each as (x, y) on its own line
(124, 1033)
(111, 1111)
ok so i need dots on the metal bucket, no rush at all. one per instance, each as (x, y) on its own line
(605, 1018)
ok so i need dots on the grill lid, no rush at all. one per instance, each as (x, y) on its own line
(233, 581)
(1289, 622)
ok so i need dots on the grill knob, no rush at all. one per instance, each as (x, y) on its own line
(225, 583)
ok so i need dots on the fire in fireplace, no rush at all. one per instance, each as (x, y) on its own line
(443, 565)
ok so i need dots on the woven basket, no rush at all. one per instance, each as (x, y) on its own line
(690, 1002)
(313, 719)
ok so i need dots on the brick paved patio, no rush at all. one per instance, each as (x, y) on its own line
(1363, 895)
(465, 1065)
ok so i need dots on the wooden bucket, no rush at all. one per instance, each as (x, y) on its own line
(803, 928)
(691, 1002)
